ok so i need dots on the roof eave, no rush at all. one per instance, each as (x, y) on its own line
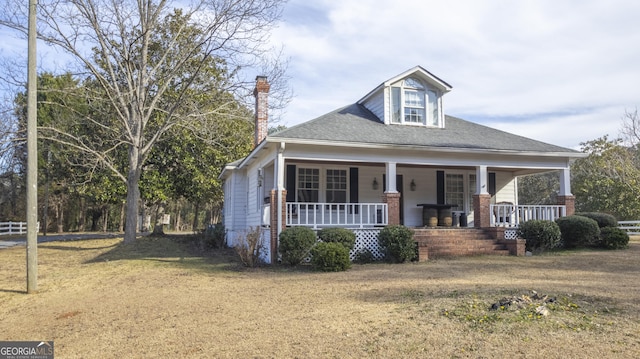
(427, 148)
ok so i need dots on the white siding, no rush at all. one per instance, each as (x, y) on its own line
(375, 104)
(234, 205)
(505, 187)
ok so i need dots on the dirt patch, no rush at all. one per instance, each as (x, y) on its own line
(161, 298)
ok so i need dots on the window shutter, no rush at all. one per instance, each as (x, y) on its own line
(440, 186)
(492, 183)
(353, 185)
(290, 184)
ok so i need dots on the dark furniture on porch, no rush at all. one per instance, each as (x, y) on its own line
(434, 215)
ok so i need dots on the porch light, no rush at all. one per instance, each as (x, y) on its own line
(374, 185)
(412, 186)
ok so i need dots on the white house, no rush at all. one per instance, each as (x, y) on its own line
(393, 157)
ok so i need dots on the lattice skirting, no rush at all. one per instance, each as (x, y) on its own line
(511, 233)
(367, 239)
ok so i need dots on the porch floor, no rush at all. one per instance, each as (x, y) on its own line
(453, 242)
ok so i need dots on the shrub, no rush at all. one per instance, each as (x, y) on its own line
(397, 243)
(295, 244)
(364, 256)
(613, 238)
(250, 248)
(540, 235)
(330, 257)
(578, 231)
(603, 219)
(214, 236)
(338, 235)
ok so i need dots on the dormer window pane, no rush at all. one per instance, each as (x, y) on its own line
(414, 106)
(433, 109)
(395, 105)
(412, 102)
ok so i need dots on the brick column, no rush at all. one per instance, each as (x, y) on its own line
(392, 199)
(569, 202)
(481, 210)
(273, 229)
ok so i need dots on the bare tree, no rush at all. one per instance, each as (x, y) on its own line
(147, 60)
(631, 128)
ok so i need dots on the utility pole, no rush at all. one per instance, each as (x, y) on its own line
(32, 155)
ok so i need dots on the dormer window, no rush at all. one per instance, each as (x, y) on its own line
(414, 103)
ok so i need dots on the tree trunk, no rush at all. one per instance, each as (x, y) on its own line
(158, 228)
(196, 209)
(178, 225)
(82, 221)
(133, 195)
(105, 215)
(122, 212)
(60, 216)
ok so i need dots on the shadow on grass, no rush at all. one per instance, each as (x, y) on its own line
(73, 248)
(183, 251)
(13, 291)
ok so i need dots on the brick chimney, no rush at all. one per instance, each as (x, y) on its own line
(261, 92)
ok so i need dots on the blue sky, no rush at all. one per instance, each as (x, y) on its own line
(559, 71)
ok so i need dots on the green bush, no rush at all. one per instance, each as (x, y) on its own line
(540, 235)
(214, 236)
(603, 219)
(364, 256)
(343, 236)
(578, 231)
(330, 257)
(613, 238)
(397, 243)
(295, 244)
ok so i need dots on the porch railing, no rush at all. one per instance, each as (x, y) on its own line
(509, 215)
(357, 215)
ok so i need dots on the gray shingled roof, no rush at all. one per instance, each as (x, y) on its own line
(356, 124)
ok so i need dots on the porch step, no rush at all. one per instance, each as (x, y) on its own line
(451, 242)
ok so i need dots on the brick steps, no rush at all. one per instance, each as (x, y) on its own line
(453, 242)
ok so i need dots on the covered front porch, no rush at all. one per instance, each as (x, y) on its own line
(338, 190)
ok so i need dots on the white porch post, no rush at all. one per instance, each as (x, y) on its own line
(482, 199)
(391, 177)
(482, 182)
(565, 198)
(278, 211)
(391, 196)
(280, 183)
(565, 182)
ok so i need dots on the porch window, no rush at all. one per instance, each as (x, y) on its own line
(336, 186)
(454, 191)
(472, 190)
(308, 184)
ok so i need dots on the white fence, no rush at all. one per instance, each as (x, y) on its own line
(631, 227)
(510, 215)
(355, 215)
(7, 228)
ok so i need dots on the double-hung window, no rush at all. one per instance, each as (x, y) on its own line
(414, 103)
(454, 191)
(308, 185)
(336, 186)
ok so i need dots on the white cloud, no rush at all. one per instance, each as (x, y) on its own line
(518, 60)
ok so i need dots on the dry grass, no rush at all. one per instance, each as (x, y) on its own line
(159, 298)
